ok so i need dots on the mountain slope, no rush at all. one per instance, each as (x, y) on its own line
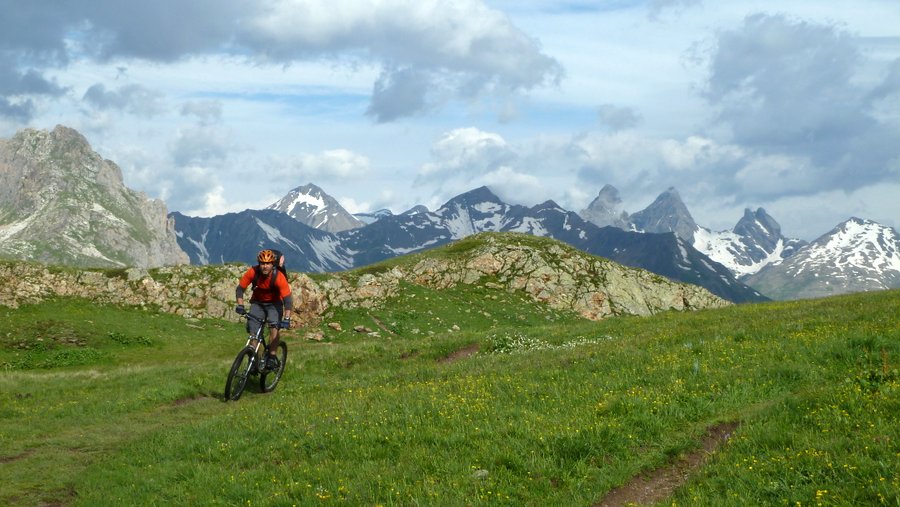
(310, 205)
(61, 203)
(755, 242)
(673, 257)
(857, 255)
(238, 237)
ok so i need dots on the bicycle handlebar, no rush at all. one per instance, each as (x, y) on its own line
(254, 317)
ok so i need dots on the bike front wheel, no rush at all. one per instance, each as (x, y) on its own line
(240, 371)
(268, 380)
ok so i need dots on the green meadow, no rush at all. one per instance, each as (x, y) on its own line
(466, 396)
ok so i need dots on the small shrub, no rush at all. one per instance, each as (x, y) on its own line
(123, 339)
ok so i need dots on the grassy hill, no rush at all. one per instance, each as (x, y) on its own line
(461, 396)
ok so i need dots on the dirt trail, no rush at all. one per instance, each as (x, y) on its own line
(461, 353)
(652, 487)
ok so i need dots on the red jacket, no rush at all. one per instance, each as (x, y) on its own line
(265, 291)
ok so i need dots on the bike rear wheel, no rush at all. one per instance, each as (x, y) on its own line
(240, 371)
(268, 380)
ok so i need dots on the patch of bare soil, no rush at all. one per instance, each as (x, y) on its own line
(656, 486)
(10, 459)
(461, 353)
(190, 399)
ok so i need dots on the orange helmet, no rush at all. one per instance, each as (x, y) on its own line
(266, 257)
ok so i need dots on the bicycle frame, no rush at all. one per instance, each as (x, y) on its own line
(260, 339)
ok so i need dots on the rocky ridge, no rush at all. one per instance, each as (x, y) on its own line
(549, 272)
(62, 203)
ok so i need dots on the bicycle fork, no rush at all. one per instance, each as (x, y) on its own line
(259, 359)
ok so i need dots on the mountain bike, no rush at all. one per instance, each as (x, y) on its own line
(251, 362)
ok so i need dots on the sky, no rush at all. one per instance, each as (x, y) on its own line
(217, 106)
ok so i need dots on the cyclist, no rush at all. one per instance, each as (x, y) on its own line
(270, 302)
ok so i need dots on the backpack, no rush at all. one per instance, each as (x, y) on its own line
(279, 266)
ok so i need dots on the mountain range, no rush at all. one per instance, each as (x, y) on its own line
(478, 210)
(83, 215)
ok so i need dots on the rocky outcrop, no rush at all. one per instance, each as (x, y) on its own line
(549, 272)
(62, 203)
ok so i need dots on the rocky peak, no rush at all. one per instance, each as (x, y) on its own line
(472, 197)
(310, 205)
(62, 203)
(606, 209)
(760, 227)
(666, 214)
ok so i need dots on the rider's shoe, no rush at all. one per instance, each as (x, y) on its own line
(272, 363)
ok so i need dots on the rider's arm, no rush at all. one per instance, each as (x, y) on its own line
(242, 286)
(239, 295)
(288, 305)
(284, 291)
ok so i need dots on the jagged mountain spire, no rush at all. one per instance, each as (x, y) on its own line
(761, 227)
(606, 209)
(666, 214)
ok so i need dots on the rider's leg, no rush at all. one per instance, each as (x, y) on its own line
(274, 330)
(256, 310)
(273, 342)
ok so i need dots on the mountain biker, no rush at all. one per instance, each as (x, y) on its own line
(270, 302)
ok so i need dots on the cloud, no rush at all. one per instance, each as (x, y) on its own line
(466, 153)
(617, 118)
(206, 111)
(196, 187)
(461, 49)
(328, 166)
(430, 50)
(467, 158)
(513, 186)
(656, 7)
(18, 85)
(133, 99)
(642, 164)
(791, 88)
(200, 146)
(398, 93)
(20, 110)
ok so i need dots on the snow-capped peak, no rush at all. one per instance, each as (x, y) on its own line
(859, 243)
(857, 255)
(754, 243)
(310, 205)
